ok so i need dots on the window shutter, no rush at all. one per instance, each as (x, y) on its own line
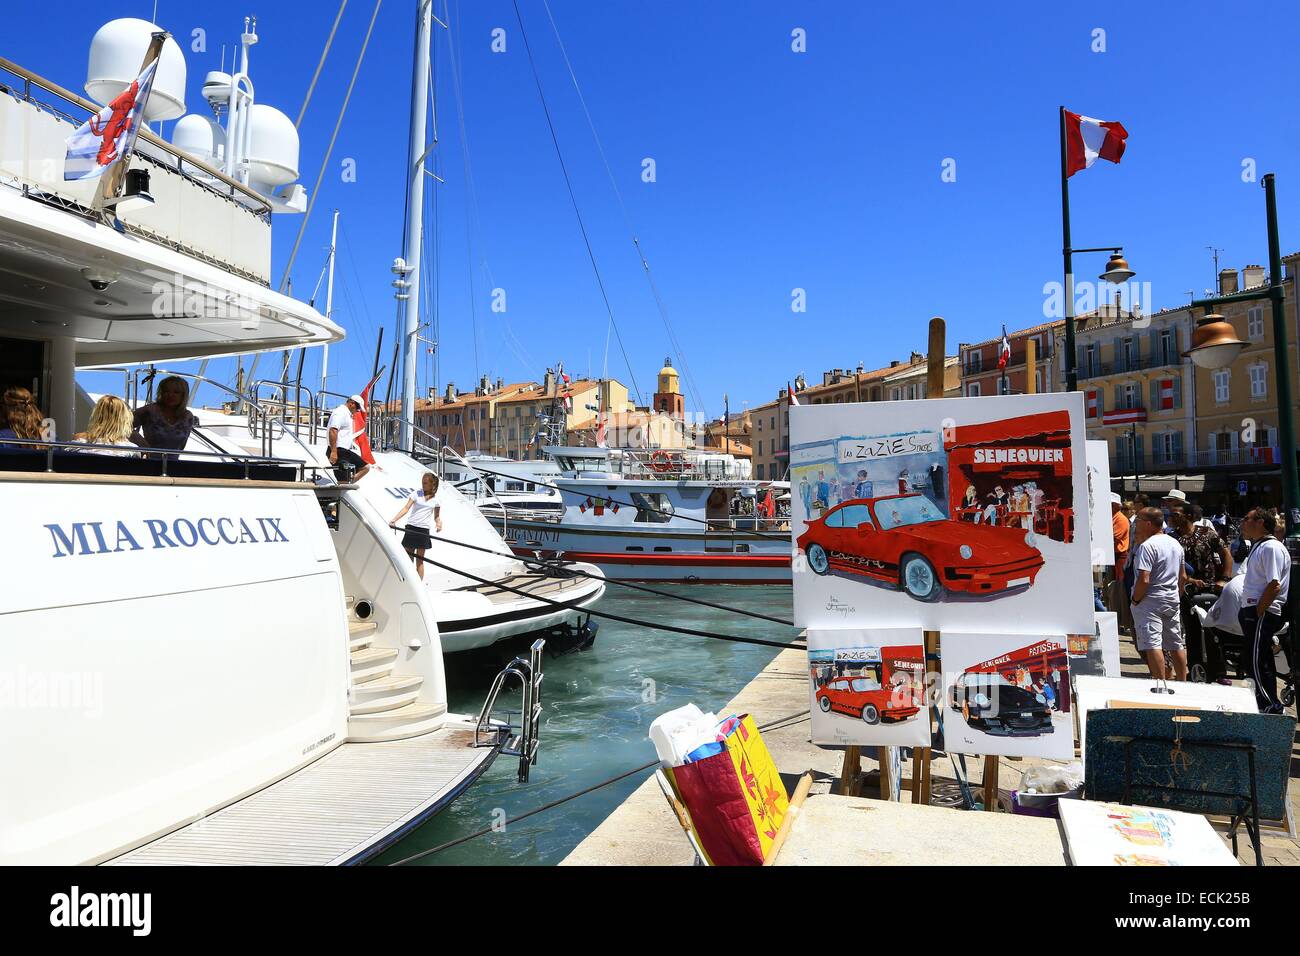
(1178, 390)
(1153, 357)
(1178, 446)
(1155, 394)
(1119, 396)
(1138, 456)
(1119, 354)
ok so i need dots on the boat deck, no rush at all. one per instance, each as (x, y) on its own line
(536, 585)
(343, 808)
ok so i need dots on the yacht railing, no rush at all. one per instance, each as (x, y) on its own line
(148, 146)
(165, 456)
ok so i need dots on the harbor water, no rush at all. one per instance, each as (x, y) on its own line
(598, 707)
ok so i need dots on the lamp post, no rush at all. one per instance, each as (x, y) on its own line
(1117, 273)
(1215, 345)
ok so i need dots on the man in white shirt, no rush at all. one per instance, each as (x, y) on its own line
(342, 447)
(1264, 591)
(1159, 577)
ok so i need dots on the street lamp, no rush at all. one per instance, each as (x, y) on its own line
(1117, 273)
(1212, 348)
(1214, 343)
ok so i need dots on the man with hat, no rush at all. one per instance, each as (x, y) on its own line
(343, 443)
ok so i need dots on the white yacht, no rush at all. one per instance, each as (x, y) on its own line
(210, 657)
(492, 595)
(662, 515)
(504, 487)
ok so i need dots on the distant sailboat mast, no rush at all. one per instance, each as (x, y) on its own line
(329, 305)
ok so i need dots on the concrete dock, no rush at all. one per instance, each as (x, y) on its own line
(642, 831)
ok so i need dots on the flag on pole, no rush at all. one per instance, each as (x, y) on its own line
(359, 424)
(109, 135)
(1087, 139)
(1004, 350)
(600, 431)
(790, 391)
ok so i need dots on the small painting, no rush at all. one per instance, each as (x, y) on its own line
(1007, 695)
(868, 687)
(1116, 834)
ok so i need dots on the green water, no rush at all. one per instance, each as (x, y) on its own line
(599, 705)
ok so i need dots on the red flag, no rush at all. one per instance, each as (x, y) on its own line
(790, 392)
(1004, 350)
(1086, 139)
(359, 424)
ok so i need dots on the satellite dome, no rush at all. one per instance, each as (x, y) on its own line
(116, 53)
(272, 147)
(200, 137)
(216, 88)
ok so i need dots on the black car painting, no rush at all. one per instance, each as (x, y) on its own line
(993, 705)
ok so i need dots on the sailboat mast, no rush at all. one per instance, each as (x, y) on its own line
(414, 214)
(329, 305)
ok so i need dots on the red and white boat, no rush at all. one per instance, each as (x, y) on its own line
(662, 515)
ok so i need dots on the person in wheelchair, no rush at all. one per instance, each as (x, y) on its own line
(1209, 568)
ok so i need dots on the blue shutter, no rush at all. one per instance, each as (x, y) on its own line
(1178, 389)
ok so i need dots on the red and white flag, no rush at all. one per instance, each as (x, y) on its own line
(1094, 403)
(600, 431)
(790, 391)
(1087, 139)
(1004, 350)
(359, 424)
(110, 134)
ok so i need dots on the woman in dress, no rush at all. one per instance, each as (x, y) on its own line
(424, 511)
(19, 419)
(167, 421)
(110, 424)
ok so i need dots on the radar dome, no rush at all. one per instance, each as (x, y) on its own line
(272, 147)
(202, 138)
(116, 53)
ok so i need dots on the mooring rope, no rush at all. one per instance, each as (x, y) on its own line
(779, 724)
(567, 605)
(566, 570)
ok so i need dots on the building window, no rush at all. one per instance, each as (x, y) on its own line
(760, 446)
(761, 470)
(760, 424)
(974, 361)
(1259, 381)
(1255, 323)
(771, 423)
(1168, 347)
(973, 389)
(1092, 360)
(1221, 390)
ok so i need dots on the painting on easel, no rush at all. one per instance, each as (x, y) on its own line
(868, 687)
(1007, 695)
(947, 513)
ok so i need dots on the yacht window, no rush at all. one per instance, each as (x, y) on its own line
(662, 548)
(652, 507)
(634, 547)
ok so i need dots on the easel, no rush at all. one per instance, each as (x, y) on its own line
(919, 784)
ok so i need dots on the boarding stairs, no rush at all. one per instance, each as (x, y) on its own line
(382, 705)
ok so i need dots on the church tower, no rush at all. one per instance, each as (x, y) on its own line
(669, 400)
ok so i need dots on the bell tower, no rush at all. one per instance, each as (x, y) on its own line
(669, 400)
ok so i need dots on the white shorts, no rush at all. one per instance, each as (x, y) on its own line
(1158, 627)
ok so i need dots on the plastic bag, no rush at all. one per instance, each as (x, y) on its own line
(1052, 778)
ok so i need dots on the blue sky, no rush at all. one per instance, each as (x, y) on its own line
(775, 170)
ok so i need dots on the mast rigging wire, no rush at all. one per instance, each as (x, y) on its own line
(555, 140)
(627, 219)
(338, 124)
(311, 87)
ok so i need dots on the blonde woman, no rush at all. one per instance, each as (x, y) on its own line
(19, 419)
(167, 421)
(110, 424)
(424, 510)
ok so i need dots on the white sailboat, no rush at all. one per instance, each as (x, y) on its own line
(211, 656)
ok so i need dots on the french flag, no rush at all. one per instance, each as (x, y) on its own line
(1004, 349)
(1088, 139)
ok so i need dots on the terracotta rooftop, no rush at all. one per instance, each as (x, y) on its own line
(1032, 330)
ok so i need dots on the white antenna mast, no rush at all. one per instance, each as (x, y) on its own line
(329, 305)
